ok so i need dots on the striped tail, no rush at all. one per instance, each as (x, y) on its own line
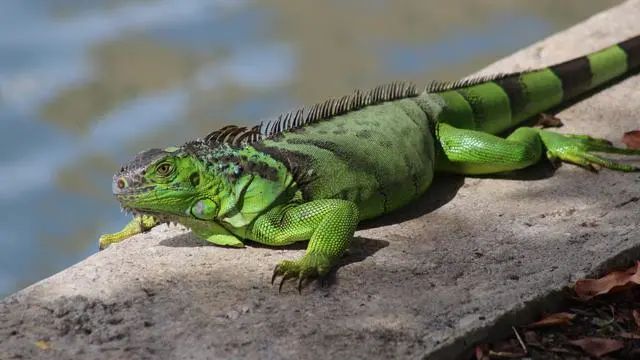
(499, 103)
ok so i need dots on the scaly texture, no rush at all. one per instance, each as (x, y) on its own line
(314, 174)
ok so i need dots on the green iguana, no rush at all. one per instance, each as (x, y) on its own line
(314, 174)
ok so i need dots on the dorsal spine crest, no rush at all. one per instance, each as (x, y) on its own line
(241, 135)
(238, 136)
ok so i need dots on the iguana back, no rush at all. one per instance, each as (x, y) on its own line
(380, 157)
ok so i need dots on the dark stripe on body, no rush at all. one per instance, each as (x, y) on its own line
(632, 48)
(297, 163)
(475, 102)
(575, 76)
(517, 93)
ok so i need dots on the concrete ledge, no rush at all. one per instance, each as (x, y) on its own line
(474, 253)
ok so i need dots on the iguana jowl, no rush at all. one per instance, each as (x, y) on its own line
(314, 174)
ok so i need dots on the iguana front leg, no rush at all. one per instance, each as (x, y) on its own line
(206, 230)
(328, 224)
(138, 225)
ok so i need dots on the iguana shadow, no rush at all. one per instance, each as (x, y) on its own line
(445, 187)
(360, 249)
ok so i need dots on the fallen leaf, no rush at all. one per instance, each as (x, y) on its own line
(482, 352)
(506, 355)
(559, 350)
(598, 346)
(636, 317)
(628, 335)
(632, 139)
(43, 345)
(548, 120)
(531, 338)
(588, 288)
(557, 319)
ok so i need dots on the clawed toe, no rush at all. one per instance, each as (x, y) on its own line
(309, 267)
(595, 163)
(297, 274)
(580, 149)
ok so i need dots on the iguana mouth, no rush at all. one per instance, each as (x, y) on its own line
(126, 191)
(162, 218)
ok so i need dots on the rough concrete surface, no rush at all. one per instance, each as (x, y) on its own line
(472, 254)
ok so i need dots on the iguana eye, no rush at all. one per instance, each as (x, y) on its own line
(164, 169)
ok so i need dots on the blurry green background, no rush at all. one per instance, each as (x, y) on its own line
(86, 84)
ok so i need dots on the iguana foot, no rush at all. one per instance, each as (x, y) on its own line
(580, 149)
(138, 225)
(309, 266)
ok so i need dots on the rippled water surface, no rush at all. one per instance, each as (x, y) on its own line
(86, 84)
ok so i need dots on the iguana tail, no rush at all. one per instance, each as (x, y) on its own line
(501, 102)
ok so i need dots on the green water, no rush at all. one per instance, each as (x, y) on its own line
(86, 84)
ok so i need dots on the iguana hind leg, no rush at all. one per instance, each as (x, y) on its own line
(328, 224)
(473, 152)
(137, 225)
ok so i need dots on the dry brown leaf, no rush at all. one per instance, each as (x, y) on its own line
(547, 120)
(482, 352)
(506, 355)
(598, 346)
(636, 317)
(628, 335)
(557, 319)
(588, 288)
(632, 139)
(531, 338)
(559, 350)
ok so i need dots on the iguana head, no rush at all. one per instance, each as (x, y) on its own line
(164, 183)
(198, 181)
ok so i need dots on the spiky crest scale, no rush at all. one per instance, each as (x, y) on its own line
(440, 86)
(238, 135)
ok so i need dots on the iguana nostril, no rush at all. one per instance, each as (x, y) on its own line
(121, 183)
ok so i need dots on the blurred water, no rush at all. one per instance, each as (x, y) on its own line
(85, 84)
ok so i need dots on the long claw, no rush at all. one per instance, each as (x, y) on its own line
(609, 164)
(581, 149)
(309, 267)
(275, 274)
(286, 276)
(613, 150)
(602, 145)
(590, 141)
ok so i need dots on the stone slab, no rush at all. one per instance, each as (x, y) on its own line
(473, 255)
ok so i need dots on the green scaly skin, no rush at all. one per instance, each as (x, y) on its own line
(316, 180)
